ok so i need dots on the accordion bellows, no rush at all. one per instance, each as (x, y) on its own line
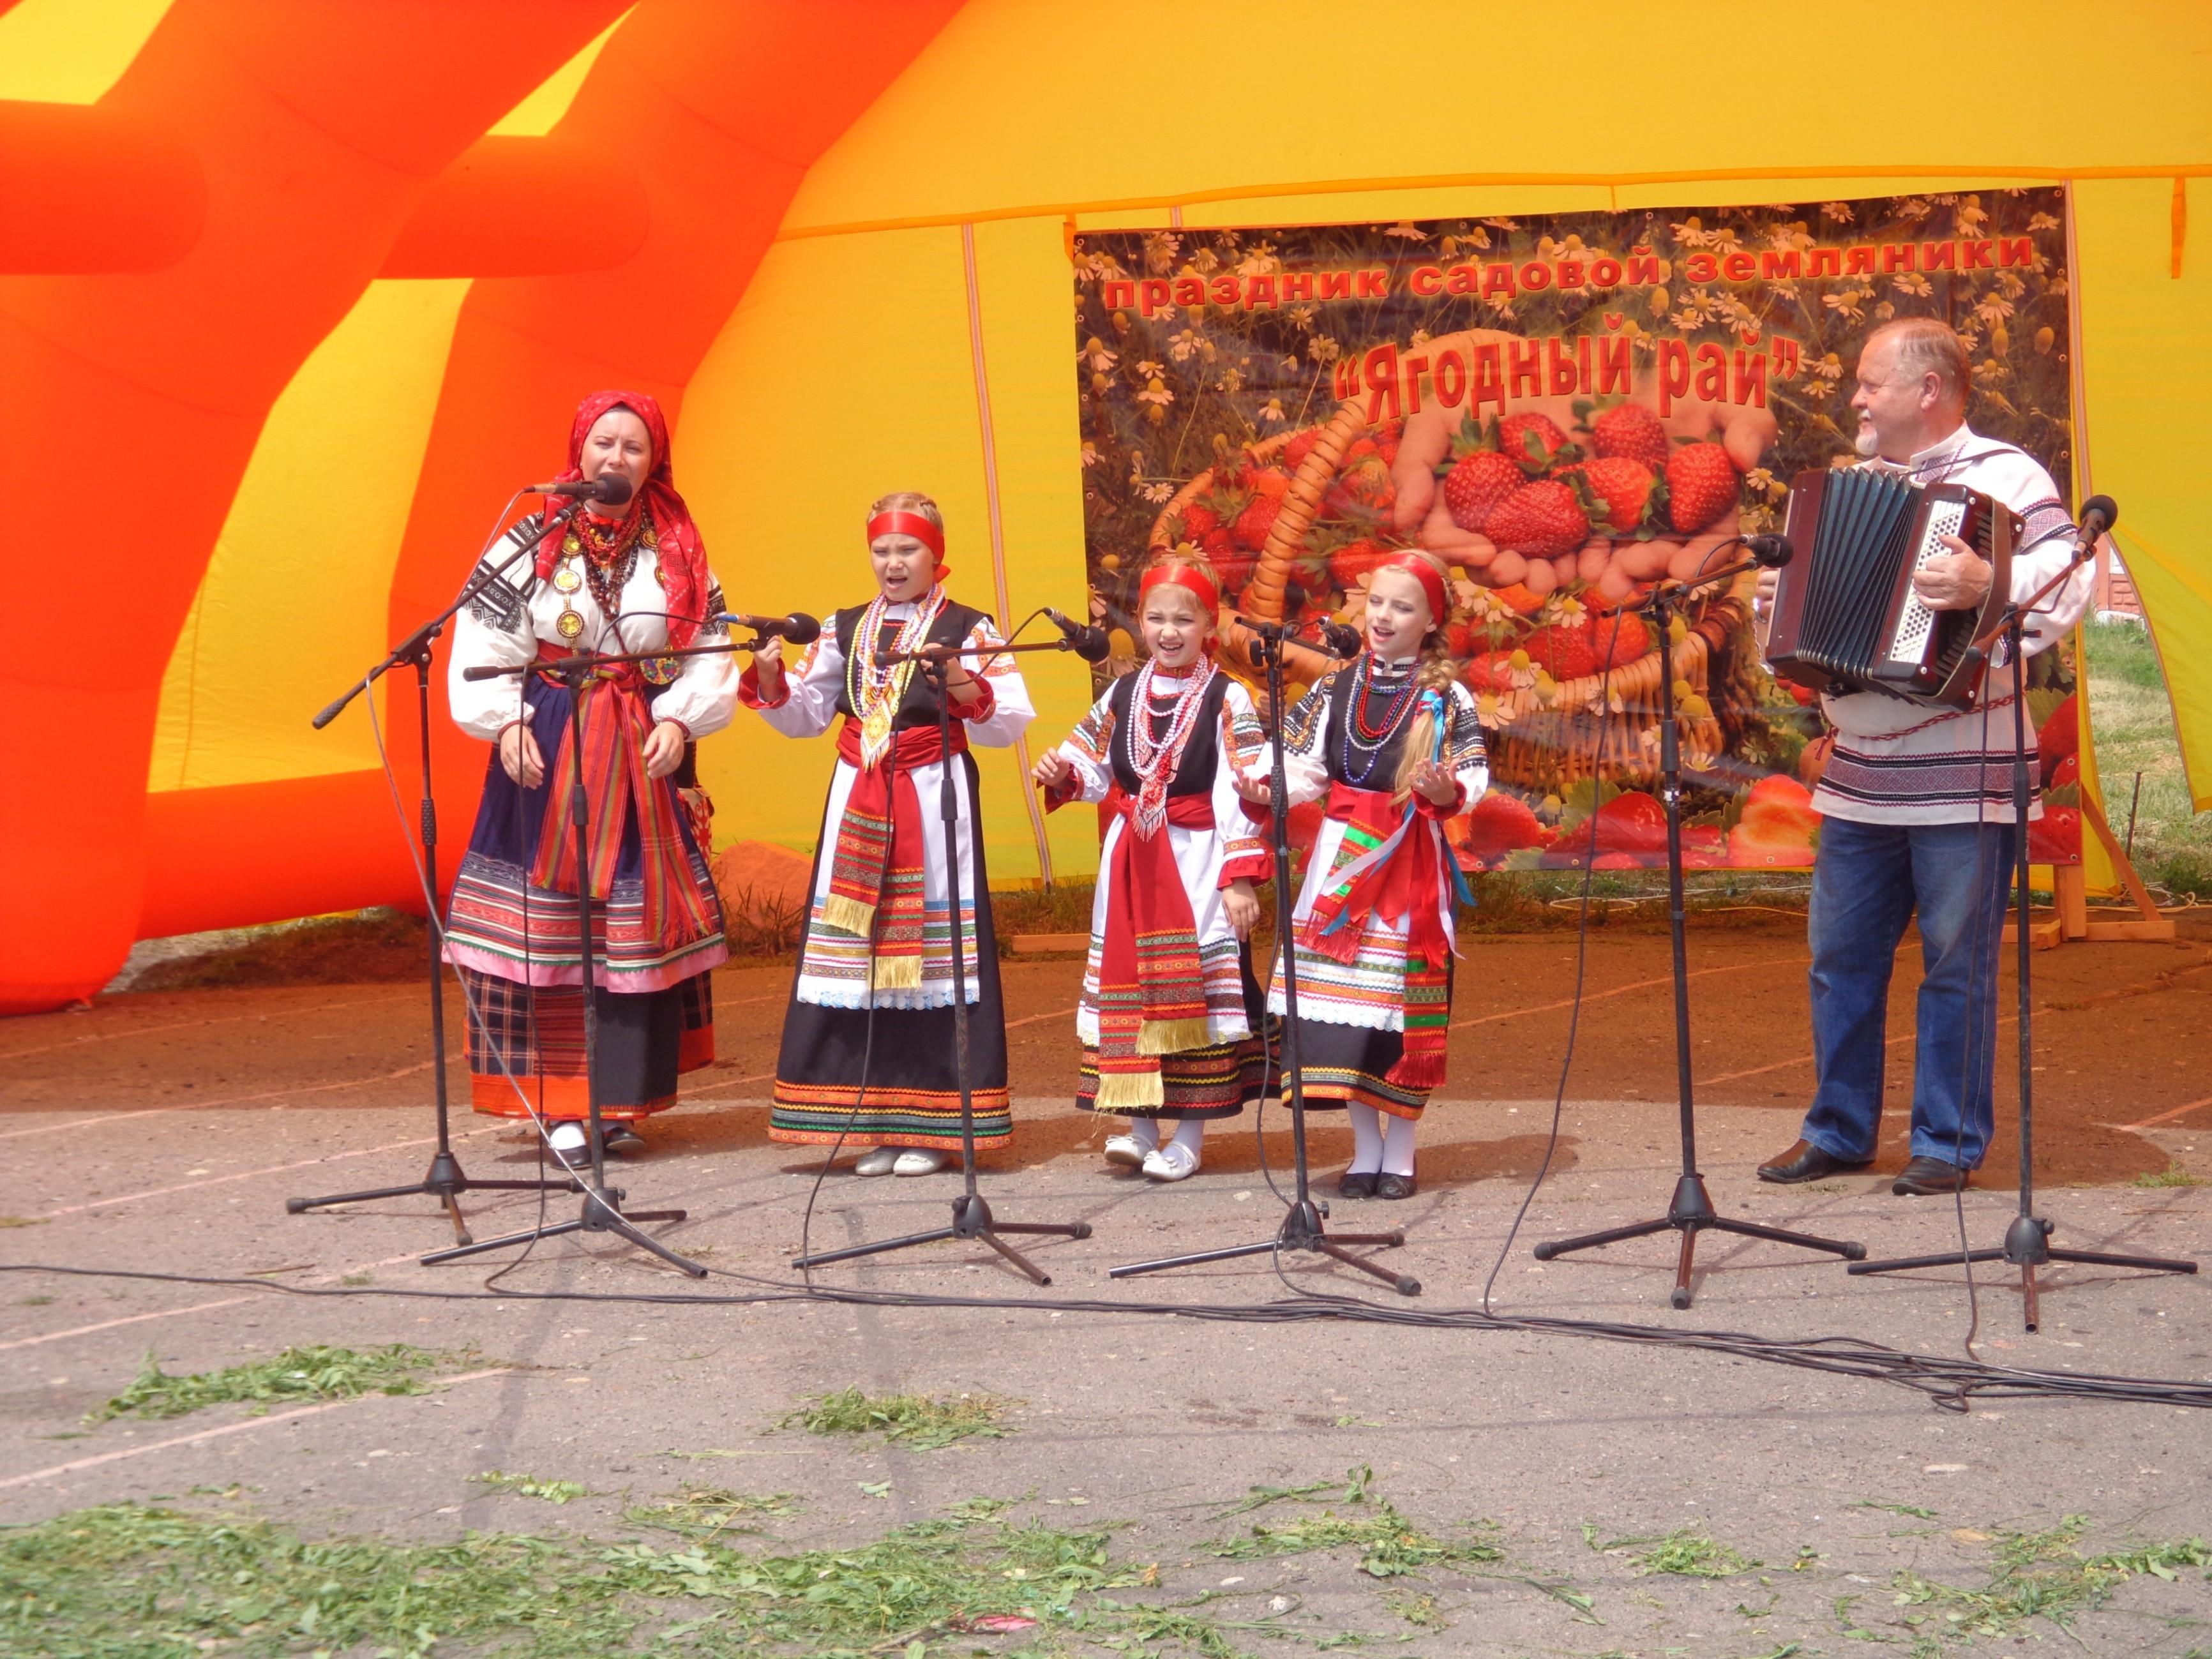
(1845, 615)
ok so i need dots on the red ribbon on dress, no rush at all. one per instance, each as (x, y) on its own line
(616, 722)
(882, 841)
(1407, 890)
(1151, 988)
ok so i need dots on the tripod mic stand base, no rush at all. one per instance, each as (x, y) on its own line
(1302, 1229)
(445, 1181)
(602, 1213)
(972, 1221)
(1691, 1213)
(2028, 1247)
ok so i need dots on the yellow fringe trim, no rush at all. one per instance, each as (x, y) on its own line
(1131, 1094)
(1171, 1036)
(847, 914)
(898, 973)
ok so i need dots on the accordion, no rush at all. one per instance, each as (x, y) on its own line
(1845, 617)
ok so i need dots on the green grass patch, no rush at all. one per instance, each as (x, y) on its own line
(1685, 1553)
(709, 1511)
(2172, 1176)
(130, 1583)
(910, 1419)
(2131, 722)
(295, 1376)
(530, 1485)
(2041, 1575)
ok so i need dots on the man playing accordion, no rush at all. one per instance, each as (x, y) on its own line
(1918, 802)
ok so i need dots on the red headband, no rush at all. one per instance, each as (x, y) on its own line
(1431, 581)
(900, 522)
(1188, 577)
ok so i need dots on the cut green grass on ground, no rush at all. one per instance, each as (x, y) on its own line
(127, 1580)
(295, 1376)
(911, 1420)
(1685, 1553)
(2041, 1575)
(530, 1485)
(706, 1511)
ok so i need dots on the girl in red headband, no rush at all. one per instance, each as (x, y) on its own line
(1170, 1013)
(1391, 743)
(616, 580)
(876, 933)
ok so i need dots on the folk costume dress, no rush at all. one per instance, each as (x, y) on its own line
(1170, 1015)
(634, 585)
(878, 924)
(1373, 924)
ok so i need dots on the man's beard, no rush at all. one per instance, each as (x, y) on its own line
(1867, 443)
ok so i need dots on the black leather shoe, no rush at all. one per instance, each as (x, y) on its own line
(1806, 1161)
(622, 1141)
(1350, 1185)
(1394, 1186)
(1924, 1176)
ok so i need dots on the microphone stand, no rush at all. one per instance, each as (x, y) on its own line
(602, 1208)
(445, 1180)
(1302, 1227)
(971, 1215)
(1691, 1210)
(2028, 1240)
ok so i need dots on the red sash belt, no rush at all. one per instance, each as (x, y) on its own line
(616, 723)
(1406, 888)
(1151, 988)
(882, 843)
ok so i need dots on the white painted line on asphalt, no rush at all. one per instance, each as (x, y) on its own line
(182, 1024)
(110, 1324)
(247, 1174)
(72, 1467)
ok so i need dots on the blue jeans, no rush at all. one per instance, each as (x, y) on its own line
(1867, 881)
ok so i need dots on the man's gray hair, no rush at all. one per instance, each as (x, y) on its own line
(1929, 345)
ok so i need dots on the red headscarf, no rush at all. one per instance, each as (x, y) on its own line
(683, 558)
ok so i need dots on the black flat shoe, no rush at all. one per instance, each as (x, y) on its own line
(1349, 1185)
(1806, 1161)
(1394, 1186)
(1925, 1176)
(574, 1159)
(620, 1140)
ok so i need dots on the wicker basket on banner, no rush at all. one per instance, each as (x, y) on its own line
(1538, 742)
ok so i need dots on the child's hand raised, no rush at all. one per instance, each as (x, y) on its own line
(1255, 789)
(1053, 771)
(1434, 783)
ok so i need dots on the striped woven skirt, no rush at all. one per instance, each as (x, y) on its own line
(1217, 1080)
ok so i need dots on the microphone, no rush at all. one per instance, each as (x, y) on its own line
(1772, 551)
(2098, 514)
(798, 628)
(1339, 639)
(609, 488)
(1087, 640)
(1334, 638)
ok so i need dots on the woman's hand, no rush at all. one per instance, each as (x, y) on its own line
(664, 749)
(517, 753)
(1242, 906)
(1433, 782)
(767, 667)
(1053, 771)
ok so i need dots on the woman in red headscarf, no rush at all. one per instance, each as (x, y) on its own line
(1171, 1015)
(616, 578)
(867, 1054)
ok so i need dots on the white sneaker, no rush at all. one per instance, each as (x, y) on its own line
(912, 1162)
(1173, 1162)
(881, 1161)
(1126, 1150)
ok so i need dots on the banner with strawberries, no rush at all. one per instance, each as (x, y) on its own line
(1565, 409)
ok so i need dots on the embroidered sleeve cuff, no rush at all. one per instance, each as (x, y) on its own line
(982, 706)
(1253, 866)
(1450, 809)
(1057, 795)
(749, 691)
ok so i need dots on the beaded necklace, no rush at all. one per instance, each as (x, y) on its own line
(1364, 743)
(1155, 762)
(876, 692)
(609, 555)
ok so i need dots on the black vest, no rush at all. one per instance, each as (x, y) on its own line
(1195, 772)
(919, 707)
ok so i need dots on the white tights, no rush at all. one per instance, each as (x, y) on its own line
(1381, 1145)
(1188, 1132)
